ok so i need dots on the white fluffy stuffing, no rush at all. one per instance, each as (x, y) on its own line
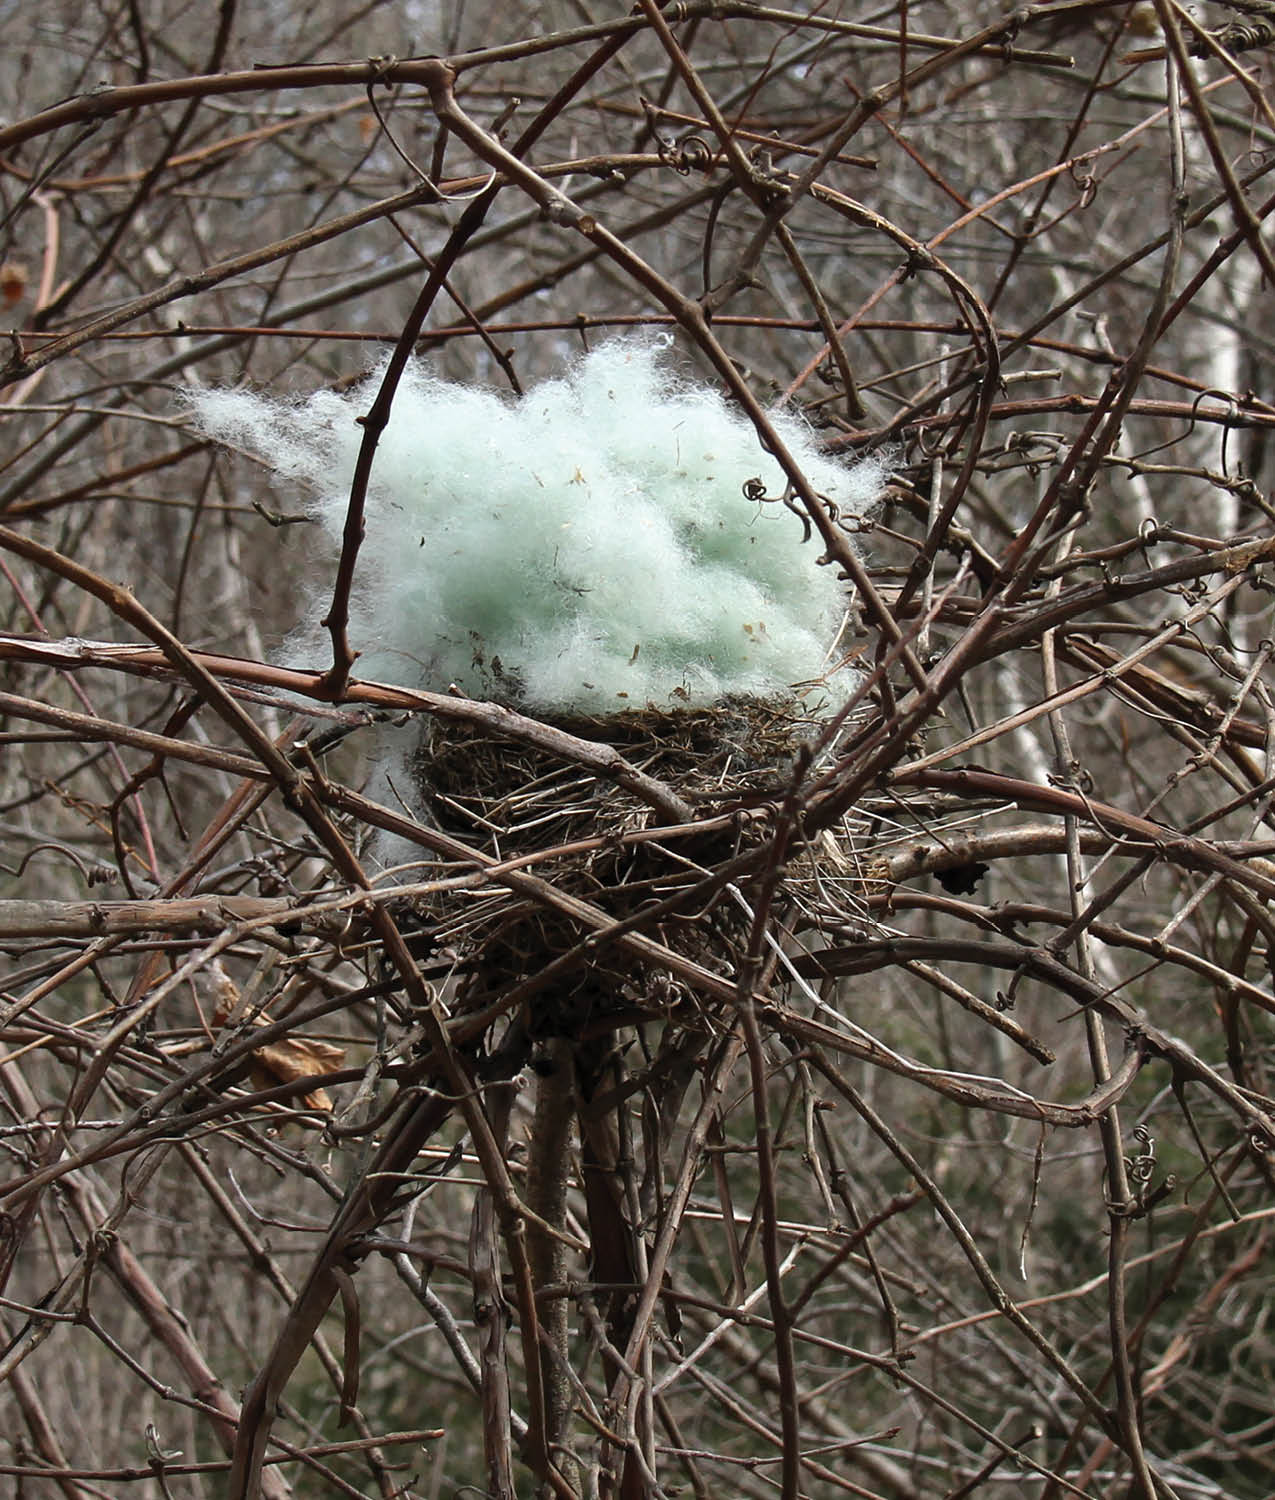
(586, 548)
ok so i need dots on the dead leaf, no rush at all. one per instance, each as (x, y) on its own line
(13, 282)
(293, 1057)
(285, 1059)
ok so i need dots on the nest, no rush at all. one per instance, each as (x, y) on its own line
(601, 841)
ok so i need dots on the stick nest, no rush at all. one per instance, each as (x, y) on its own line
(597, 840)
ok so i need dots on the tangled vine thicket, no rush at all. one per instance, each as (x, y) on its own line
(678, 1104)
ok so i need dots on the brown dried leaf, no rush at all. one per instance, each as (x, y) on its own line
(13, 282)
(291, 1057)
(286, 1058)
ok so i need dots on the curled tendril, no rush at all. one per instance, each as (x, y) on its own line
(691, 153)
(381, 67)
(1232, 407)
(755, 491)
(790, 500)
(1142, 1166)
(95, 874)
(931, 443)
(695, 154)
(1085, 181)
(1239, 36)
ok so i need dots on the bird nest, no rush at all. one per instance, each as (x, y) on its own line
(598, 839)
